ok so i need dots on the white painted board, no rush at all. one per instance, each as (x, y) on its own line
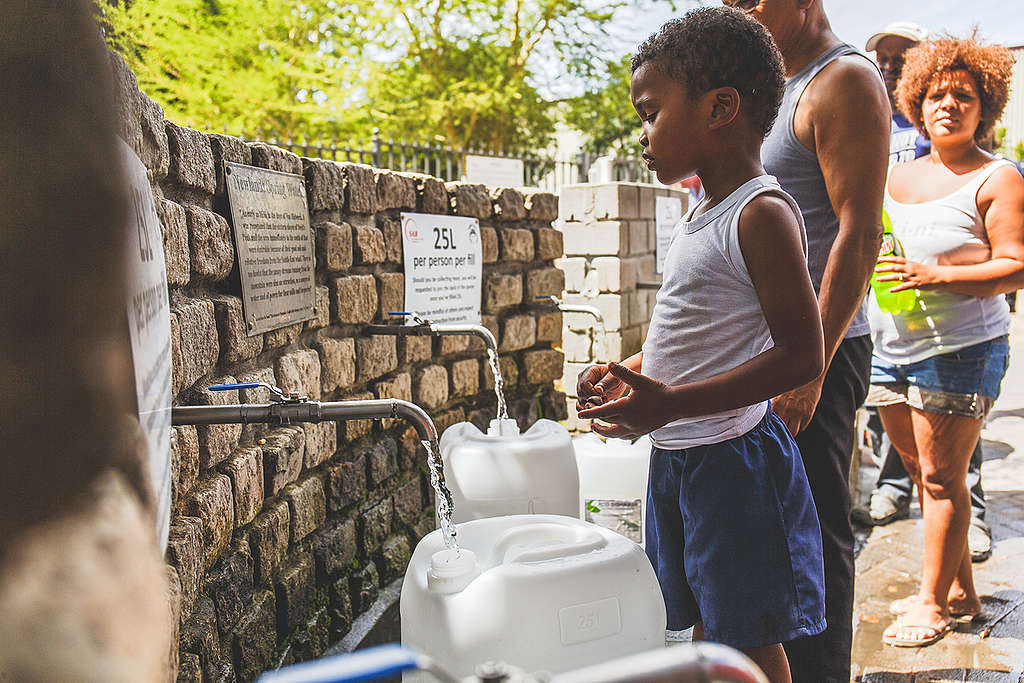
(494, 171)
(443, 259)
(668, 211)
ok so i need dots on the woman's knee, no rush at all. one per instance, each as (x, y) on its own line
(942, 482)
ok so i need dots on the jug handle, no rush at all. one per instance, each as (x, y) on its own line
(586, 542)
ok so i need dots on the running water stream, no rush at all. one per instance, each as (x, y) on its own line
(499, 383)
(441, 494)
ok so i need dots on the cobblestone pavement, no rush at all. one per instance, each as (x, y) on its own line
(889, 563)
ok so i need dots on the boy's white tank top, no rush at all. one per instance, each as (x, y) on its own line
(707, 319)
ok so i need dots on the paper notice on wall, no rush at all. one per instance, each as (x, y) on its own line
(443, 267)
(668, 211)
(494, 171)
(150, 332)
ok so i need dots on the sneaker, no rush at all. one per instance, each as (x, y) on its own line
(880, 510)
(979, 540)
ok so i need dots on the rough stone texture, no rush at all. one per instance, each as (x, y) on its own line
(541, 206)
(394, 557)
(392, 293)
(174, 230)
(381, 461)
(155, 153)
(299, 372)
(275, 158)
(391, 228)
(375, 356)
(375, 525)
(508, 204)
(346, 483)
(430, 388)
(325, 184)
(231, 330)
(468, 199)
(395, 191)
(356, 429)
(321, 442)
(452, 344)
(230, 585)
(542, 366)
(368, 245)
(333, 246)
(548, 281)
(282, 336)
(489, 244)
(502, 290)
(335, 548)
(360, 189)
(399, 386)
(549, 327)
(408, 501)
(226, 148)
(126, 96)
(191, 159)
(216, 441)
(339, 608)
(185, 554)
(431, 194)
(268, 538)
(516, 244)
(245, 470)
(283, 453)
(337, 363)
(364, 585)
(549, 244)
(210, 247)
(212, 504)
(255, 637)
(412, 349)
(321, 309)
(186, 454)
(199, 634)
(465, 375)
(199, 349)
(354, 299)
(295, 593)
(253, 431)
(308, 506)
(518, 332)
(189, 669)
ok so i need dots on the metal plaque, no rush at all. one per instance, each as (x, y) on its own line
(274, 245)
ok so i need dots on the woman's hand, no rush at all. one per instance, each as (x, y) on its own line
(906, 274)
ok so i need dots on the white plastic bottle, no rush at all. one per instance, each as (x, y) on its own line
(613, 482)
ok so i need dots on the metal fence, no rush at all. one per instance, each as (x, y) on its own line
(448, 163)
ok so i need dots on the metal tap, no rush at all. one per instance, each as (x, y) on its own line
(423, 326)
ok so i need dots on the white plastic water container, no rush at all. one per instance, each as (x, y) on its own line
(505, 472)
(613, 482)
(540, 592)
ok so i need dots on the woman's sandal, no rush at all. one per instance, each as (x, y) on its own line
(933, 634)
(902, 605)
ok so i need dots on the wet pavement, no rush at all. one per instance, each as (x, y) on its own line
(889, 564)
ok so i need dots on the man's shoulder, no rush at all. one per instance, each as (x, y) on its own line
(847, 77)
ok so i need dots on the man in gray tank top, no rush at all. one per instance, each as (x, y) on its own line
(829, 149)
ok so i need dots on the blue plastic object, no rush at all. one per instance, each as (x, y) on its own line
(228, 387)
(364, 665)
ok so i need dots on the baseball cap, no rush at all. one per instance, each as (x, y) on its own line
(905, 29)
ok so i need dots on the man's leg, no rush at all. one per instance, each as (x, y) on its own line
(826, 446)
(979, 536)
(890, 500)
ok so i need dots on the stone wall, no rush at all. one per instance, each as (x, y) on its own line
(609, 235)
(280, 537)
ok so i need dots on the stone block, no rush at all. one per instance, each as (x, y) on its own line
(614, 308)
(365, 585)
(185, 554)
(430, 387)
(381, 461)
(189, 668)
(394, 191)
(468, 199)
(570, 376)
(299, 372)
(509, 372)
(216, 441)
(412, 349)
(391, 228)
(235, 345)
(392, 293)
(354, 299)
(618, 346)
(339, 608)
(284, 451)
(333, 246)
(451, 344)
(501, 290)
(549, 327)
(641, 237)
(446, 419)
(255, 637)
(191, 159)
(185, 453)
(541, 206)
(337, 363)
(199, 635)
(408, 501)
(253, 431)
(126, 96)
(375, 525)
(360, 188)
(394, 558)
(311, 640)
(546, 281)
(325, 184)
(615, 274)
(616, 201)
(508, 204)
(542, 366)
(155, 152)
(230, 585)
(518, 332)
(571, 202)
(549, 244)
(578, 346)
(199, 348)
(307, 504)
(276, 159)
(575, 269)
(321, 442)
(489, 244)
(355, 429)
(346, 483)
(245, 470)
(211, 502)
(174, 231)
(376, 355)
(210, 248)
(524, 411)
(226, 148)
(399, 386)
(603, 238)
(268, 539)
(368, 245)
(321, 308)
(335, 549)
(295, 589)
(516, 244)
(431, 195)
(465, 376)
(282, 336)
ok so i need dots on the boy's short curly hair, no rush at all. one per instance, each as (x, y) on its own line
(714, 47)
(991, 66)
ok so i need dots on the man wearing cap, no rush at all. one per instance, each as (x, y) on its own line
(891, 498)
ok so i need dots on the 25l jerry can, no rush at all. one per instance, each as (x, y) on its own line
(540, 592)
(613, 482)
(505, 472)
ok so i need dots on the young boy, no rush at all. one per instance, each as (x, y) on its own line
(731, 529)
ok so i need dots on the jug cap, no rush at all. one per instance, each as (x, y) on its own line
(451, 570)
(506, 427)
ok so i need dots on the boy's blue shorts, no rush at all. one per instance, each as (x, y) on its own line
(733, 535)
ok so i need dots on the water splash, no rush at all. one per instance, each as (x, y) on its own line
(499, 383)
(441, 494)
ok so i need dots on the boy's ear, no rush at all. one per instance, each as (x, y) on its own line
(725, 106)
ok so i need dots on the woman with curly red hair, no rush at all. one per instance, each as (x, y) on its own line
(937, 368)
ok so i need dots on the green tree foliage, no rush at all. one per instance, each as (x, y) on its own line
(606, 112)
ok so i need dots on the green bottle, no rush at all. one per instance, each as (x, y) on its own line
(891, 302)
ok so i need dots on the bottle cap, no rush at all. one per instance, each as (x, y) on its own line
(451, 570)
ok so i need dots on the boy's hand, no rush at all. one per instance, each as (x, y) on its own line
(642, 405)
(595, 385)
(796, 407)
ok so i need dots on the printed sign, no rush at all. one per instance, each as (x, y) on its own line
(494, 171)
(668, 211)
(443, 267)
(149, 325)
(274, 245)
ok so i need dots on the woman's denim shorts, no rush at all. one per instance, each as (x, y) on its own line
(964, 382)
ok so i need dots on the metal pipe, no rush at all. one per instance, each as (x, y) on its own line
(696, 662)
(574, 308)
(423, 327)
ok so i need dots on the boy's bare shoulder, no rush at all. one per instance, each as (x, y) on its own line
(768, 211)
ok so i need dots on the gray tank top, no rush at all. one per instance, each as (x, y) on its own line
(799, 173)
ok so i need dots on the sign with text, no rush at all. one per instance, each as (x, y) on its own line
(149, 329)
(668, 211)
(494, 171)
(443, 267)
(274, 245)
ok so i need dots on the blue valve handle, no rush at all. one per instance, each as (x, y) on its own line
(364, 665)
(228, 387)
